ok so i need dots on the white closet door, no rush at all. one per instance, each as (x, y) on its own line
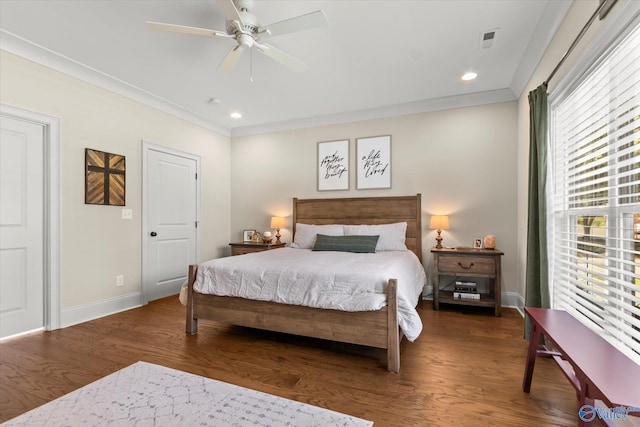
(21, 226)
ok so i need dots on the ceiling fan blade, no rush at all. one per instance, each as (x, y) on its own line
(299, 23)
(282, 57)
(231, 58)
(159, 26)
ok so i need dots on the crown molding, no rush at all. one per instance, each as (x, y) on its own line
(19, 46)
(552, 17)
(424, 106)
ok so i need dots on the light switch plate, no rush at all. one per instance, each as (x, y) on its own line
(127, 214)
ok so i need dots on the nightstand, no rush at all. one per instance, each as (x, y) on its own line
(467, 264)
(242, 248)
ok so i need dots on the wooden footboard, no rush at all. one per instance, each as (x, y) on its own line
(370, 328)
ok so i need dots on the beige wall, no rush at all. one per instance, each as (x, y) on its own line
(96, 244)
(463, 161)
(576, 18)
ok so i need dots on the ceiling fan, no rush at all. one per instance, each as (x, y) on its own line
(245, 28)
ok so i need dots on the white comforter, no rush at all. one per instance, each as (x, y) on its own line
(332, 280)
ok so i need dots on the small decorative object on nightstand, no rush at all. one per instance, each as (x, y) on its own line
(266, 237)
(439, 222)
(241, 248)
(278, 222)
(455, 270)
(489, 241)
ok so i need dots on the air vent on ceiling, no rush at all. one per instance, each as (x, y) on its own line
(488, 38)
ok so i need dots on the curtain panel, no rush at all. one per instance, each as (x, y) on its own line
(537, 271)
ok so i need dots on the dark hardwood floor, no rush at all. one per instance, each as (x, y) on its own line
(465, 369)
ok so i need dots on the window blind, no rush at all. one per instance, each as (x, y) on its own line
(594, 200)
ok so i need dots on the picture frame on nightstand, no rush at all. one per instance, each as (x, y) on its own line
(477, 243)
(247, 235)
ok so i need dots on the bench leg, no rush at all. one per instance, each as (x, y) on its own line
(583, 399)
(534, 339)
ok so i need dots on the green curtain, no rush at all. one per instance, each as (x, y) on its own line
(537, 284)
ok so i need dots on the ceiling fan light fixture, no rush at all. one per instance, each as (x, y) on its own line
(469, 76)
(245, 40)
(235, 115)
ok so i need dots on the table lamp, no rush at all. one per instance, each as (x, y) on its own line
(278, 222)
(439, 222)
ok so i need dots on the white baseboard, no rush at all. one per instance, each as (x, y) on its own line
(517, 302)
(84, 313)
(427, 292)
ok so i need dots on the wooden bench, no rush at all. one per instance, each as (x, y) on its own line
(598, 371)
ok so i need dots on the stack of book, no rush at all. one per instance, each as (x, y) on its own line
(466, 290)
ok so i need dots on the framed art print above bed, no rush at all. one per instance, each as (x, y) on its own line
(333, 165)
(373, 162)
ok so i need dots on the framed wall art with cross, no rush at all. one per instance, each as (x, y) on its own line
(104, 178)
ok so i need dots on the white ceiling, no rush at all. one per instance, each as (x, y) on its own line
(376, 58)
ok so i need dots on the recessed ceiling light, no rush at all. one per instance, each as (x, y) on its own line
(469, 76)
(236, 115)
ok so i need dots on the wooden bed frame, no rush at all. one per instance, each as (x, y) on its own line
(370, 328)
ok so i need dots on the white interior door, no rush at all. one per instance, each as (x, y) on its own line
(21, 226)
(170, 221)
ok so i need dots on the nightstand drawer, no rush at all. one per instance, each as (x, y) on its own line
(466, 265)
(242, 251)
(242, 248)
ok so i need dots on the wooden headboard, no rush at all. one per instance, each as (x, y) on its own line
(364, 210)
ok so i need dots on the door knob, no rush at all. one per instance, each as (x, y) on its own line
(153, 234)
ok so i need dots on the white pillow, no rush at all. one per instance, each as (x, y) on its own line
(392, 236)
(305, 236)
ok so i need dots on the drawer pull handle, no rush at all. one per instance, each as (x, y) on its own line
(462, 266)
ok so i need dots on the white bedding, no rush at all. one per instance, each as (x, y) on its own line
(331, 280)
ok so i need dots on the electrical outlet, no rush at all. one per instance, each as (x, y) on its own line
(120, 280)
(127, 214)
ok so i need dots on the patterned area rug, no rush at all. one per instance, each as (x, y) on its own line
(145, 394)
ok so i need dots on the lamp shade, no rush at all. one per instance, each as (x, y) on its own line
(278, 222)
(439, 222)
